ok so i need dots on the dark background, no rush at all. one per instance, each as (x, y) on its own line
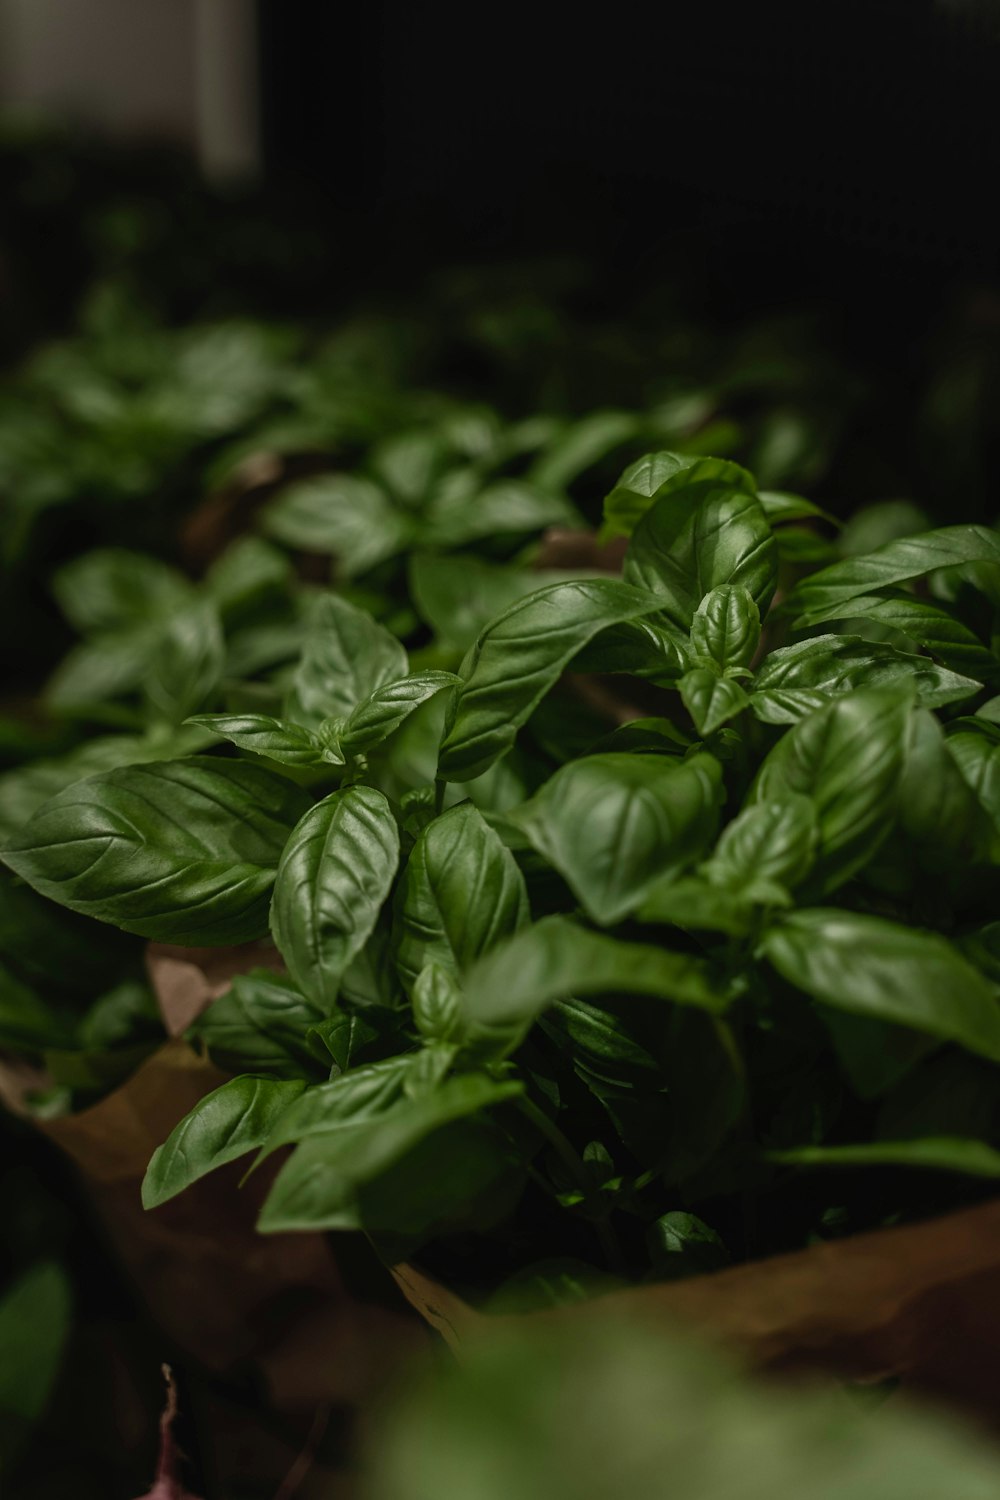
(840, 150)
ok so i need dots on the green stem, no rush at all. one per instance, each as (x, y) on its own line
(440, 788)
(567, 1154)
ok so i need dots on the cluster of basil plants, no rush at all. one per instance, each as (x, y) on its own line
(595, 943)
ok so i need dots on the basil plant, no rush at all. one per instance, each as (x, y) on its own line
(658, 929)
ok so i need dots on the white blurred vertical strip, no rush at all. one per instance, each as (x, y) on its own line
(226, 89)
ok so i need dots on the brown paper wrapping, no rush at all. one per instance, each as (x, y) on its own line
(919, 1304)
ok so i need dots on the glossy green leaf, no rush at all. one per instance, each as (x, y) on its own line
(977, 756)
(461, 894)
(933, 627)
(182, 852)
(226, 1124)
(824, 595)
(277, 739)
(767, 841)
(459, 596)
(335, 874)
(934, 1154)
(555, 959)
(725, 631)
(437, 1004)
(847, 758)
(780, 507)
(319, 1186)
(893, 973)
(796, 680)
(347, 655)
(711, 700)
(519, 658)
(260, 1026)
(383, 711)
(681, 554)
(186, 666)
(614, 825)
(665, 473)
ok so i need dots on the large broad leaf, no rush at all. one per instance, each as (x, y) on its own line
(183, 852)
(658, 474)
(226, 1124)
(383, 711)
(847, 758)
(823, 596)
(507, 991)
(347, 655)
(891, 973)
(796, 680)
(260, 1025)
(519, 658)
(935, 1154)
(725, 631)
(24, 790)
(461, 895)
(767, 841)
(682, 554)
(339, 513)
(319, 1187)
(931, 626)
(939, 809)
(614, 825)
(334, 876)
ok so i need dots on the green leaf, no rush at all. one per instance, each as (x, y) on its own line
(108, 666)
(467, 511)
(892, 973)
(658, 474)
(796, 680)
(319, 1186)
(939, 809)
(259, 1026)
(246, 576)
(462, 893)
(111, 589)
(584, 443)
(781, 507)
(35, 1326)
(226, 1124)
(935, 1154)
(682, 554)
(767, 841)
(614, 825)
(183, 852)
(277, 739)
(333, 879)
(343, 514)
(347, 655)
(437, 1004)
(459, 596)
(555, 959)
(933, 627)
(711, 700)
(187, 664)
(696, 905)
(383, 711)
(823, 596)
(725, 631)
(977, 756)
(519, 658)
(847, 758)
(357, 1097)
